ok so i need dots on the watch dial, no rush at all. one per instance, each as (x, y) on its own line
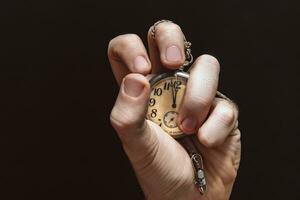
(165, 101)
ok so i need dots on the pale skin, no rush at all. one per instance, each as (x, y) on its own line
(162, 166)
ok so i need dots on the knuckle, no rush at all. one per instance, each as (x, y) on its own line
(231, 175)
(172, 27)
(118, 120)
(150, 31)
(127, 39)
(124, 40)
(114, 120)
(110, 49)
(194, 102)
(206, 141)
(226, 113)
(237, 134)
(203, 101)
(211, 60)
(121, 43)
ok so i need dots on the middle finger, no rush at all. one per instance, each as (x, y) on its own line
(200, 93)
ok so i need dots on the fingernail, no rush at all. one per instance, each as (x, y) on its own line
(173, 54)
(133, 87)
(189, 124)
(140, 63)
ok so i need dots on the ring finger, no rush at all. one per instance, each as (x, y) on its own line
(220, 123)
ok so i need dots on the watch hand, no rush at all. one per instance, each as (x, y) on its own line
(173, 95)
(172, 119)
(175, 87)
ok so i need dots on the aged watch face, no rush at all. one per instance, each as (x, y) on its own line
(165, 100)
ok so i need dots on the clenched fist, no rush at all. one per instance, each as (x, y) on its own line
(162, 166)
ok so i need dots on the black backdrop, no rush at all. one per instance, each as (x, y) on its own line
(57, 91)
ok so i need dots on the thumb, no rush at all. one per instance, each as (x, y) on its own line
(128, 116)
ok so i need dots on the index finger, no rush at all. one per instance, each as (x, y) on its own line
(128, 54)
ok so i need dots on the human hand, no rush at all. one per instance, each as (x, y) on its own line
(162, 166)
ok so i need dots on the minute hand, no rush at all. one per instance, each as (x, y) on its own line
(174, 94)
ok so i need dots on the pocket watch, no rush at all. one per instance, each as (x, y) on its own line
(167, 92)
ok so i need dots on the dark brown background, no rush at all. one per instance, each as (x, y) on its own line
(57, 91)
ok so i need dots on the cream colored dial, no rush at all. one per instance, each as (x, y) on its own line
(165, 101)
